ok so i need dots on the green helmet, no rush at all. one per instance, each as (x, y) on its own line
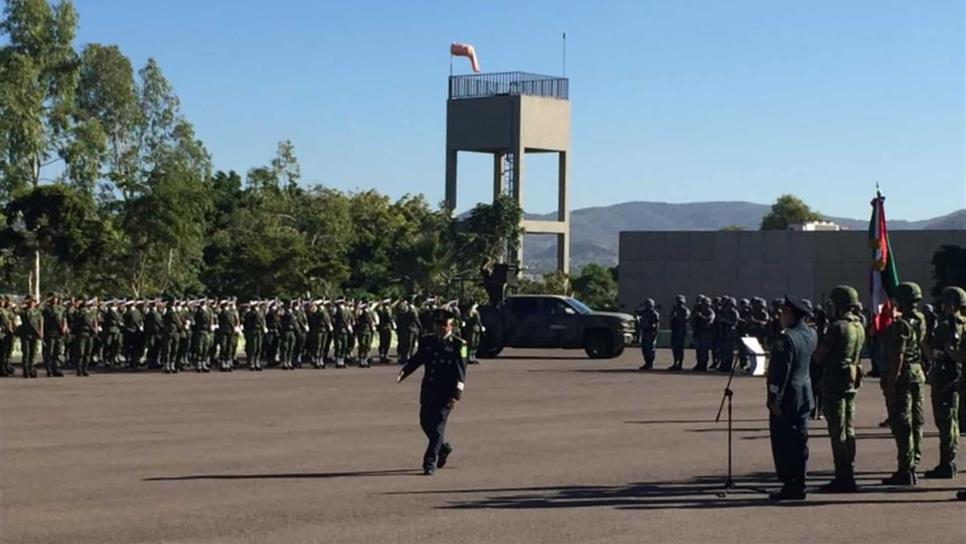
(908, 292)
(955, 297)
(844, 296)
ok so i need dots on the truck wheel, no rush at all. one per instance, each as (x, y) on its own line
(598, 345)
(489, 351)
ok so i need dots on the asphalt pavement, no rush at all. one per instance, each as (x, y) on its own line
(549, 447)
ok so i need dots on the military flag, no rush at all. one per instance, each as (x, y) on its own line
(884, 277)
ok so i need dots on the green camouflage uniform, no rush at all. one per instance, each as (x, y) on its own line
(31, 332)
(55, 328)
(83, 329)
(904, 373)
(841, 379)
(945, 377)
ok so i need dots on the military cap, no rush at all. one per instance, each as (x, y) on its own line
(680, 298)
(801, 305)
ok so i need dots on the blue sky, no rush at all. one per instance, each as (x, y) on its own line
(679, 101)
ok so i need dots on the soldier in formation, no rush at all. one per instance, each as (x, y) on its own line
(649, 321)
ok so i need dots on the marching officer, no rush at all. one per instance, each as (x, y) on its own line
(443, 355)
(650, 320)
(790, 398)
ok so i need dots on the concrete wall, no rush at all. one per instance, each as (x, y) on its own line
(744, 264)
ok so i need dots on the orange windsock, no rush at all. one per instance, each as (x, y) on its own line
(465, 50)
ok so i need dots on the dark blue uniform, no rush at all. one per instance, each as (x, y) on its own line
(790, 387)
(443, 378)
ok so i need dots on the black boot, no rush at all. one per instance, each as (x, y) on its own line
(901, 477)
(943, 471)
(840, 485)
(789, 493)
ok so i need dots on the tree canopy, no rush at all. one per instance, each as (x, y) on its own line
(788, 210)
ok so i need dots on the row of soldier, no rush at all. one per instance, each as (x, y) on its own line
(176, 334)
(920, 348)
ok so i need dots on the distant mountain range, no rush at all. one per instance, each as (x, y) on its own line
(594, 231)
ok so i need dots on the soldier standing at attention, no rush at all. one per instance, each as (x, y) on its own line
(444, 357)
(301, 330)
(841, 378)
(271, 336)
(31, 333)
(202, 326)
(946, 354)
(407, 327)
(650, 321)
(153, 327)
(387, 324)
(745, 328)
(134, 334)
(366, 329)
(55, 328)
(8, 332)
(223, 337)
(254, 326)
(84, 329)
(325, 316)
(702, 323)
(111, 332)
(903, 381)
(286, 336)
(472, 332)
(790, 399)
(170, 332)
(680, 316)
(728, 320)
(313, 341)
(342, 324)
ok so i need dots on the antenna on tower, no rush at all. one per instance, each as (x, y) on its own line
(564, 60)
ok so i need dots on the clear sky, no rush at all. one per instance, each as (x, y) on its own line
(679, 101)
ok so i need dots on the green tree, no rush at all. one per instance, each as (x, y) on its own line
(57, 221)
(788, 210)
(38, 71)
(491, 232)
(732, 228)
(596, 286)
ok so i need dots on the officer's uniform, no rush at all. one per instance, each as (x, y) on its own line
(443, 379)
(31, 333)
(84, 330)
(386, 325)
(790, 388)
(8, 333)
(407, 323)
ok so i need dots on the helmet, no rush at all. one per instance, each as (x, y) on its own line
(844, 296)
(954, 296)
(908, 292)
(680, 298)
(649, 302)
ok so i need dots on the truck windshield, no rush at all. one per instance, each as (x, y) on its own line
(579, 306)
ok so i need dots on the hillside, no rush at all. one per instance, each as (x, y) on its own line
(594, 231)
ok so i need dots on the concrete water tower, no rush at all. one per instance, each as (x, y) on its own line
(509, 115)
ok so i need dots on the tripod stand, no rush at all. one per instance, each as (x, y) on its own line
(728, 396)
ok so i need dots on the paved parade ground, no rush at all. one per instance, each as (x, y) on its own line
(549, 447)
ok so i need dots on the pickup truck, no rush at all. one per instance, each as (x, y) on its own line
(552, 321)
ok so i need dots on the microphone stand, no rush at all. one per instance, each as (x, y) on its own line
(727, 396)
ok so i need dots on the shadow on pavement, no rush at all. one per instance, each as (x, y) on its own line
(696, 493)
(676, 421)
(296, 475)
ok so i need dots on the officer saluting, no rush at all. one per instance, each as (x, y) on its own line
(444, 356)
(790, 398)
